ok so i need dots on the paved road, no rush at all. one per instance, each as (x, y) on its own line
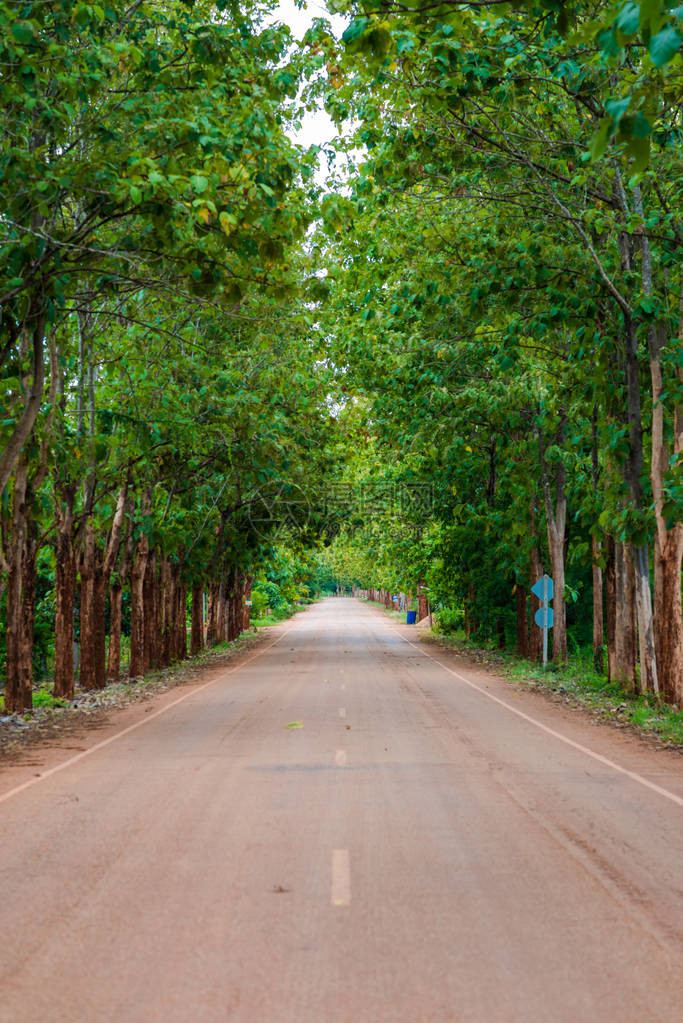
(429, 847)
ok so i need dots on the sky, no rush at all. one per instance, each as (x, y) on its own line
(317, 128)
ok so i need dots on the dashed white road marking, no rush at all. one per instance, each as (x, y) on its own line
(342, 712)
(341, 878)
(340, 758)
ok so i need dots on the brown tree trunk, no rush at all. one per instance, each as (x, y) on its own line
(20, 597)
(610, 604)
(521, 594)
(167, 604)
(247, 601)
(137, 609)
(197, 629)
(220, 612)
(668, 612)
(29, 558)
(115, 601)
(556, 521)
(114, 658)
(469, 618)
(211, 628)
(99, 625)
(14, 703)
(422, 610)
(623, 668)
(65, 592)
(181, 619)
(88, 611)
(598, 619)
(150, 615)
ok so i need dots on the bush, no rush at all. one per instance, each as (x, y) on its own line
(450, 619)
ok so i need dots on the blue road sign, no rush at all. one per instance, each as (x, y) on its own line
(537, 588)
(544, 617)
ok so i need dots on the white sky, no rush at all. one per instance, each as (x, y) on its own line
(317, 128)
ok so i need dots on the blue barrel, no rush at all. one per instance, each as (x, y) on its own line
(411, 617)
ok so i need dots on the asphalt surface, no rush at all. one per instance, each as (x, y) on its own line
(429, 844)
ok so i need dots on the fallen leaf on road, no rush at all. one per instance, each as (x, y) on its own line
(295, 724)
(278, 889)
(348, 728)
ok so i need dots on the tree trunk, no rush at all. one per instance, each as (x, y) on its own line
(197, 632)
(422, 611)
(180, 618)
(65, 593)
(15, 639)
(114, 660)
(598, 619)
(669, 614)
(469, 618)
(150, 614)
(115, 601)
(247, 597)
(556, 545)
(167, 603)
(556, 520)
(99, 622)
(623, 668)
(610, 604)
(211, 627)
(137, 609)
(633, 473)
(87, 637)
(28, 571)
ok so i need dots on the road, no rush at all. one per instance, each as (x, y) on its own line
(430, 846)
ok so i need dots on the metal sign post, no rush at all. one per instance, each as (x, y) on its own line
(543, 589)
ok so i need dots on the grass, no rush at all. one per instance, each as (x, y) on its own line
(579, 681)
(398, 616)
(576, 682)
(275, 617)
(43, 698)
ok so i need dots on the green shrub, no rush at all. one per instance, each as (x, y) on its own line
(450, 619)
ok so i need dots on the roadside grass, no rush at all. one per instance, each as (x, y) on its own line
(133, 687)
(398, 616)
(576, 682)
(275, 617)
(44, 698)
(579, 681)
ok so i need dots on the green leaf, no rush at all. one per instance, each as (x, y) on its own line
(23, 32)
(82, 15)
(628, 19)
(616, 108)
(639, 150)
(665, 45)
(355, 29)
(199, 182)
(295, 724)
(599, 141)
(649, 11)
